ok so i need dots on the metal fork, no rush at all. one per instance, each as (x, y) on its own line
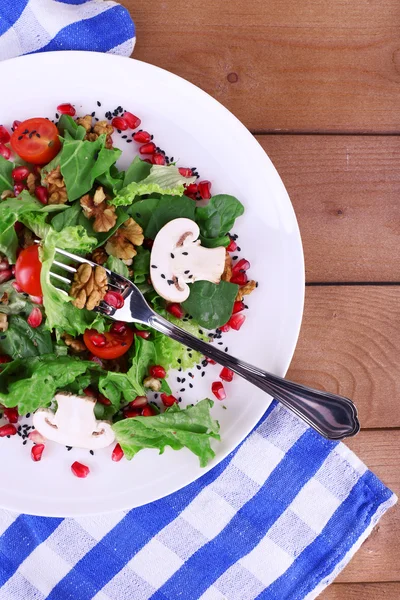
(333, 416)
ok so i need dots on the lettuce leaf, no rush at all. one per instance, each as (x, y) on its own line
(137, 171)
(170, 353)
(191, 427)
(6, 182)
(21, 340)
(117, 266)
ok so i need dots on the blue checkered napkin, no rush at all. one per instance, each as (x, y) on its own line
(28, 26)
(277, 520)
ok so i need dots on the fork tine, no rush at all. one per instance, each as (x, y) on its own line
(61, 278)
(64, 266)
(74, 257)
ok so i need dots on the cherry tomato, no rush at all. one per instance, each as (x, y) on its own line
(27, 271)
(36, 141)
(108, 345)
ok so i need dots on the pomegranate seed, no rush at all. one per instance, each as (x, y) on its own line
(114, 299)
(42, 194)
(4, 264)
(101, 399)
(204, 188)
(16, 287)
(185, 172)
(66, 109)
(96, 359)
(130, 413)
(142, 137)
(16, 124)
(218, 390)
(138, 402)
(226, 374)
(18, 226)
(239, 278)
(238, 306)
(241, 265)
(36, 437)
(143, 334)
(119, 123)
(176, 310)
(158, 371)
(191, 188)
(148, 160)
(158, 159)
(36, 299)
(147, 411)
(4, 151)
(80, 470)
(7, 430)
(236, 321)
(118, 327)
(4, 135)
(148, 243)
(117, 453)
(36, 452)
(132, 121)
(211, 361)
(11, 414)
(5, 275)
(224, 328)
(20, 174)
(232, 246)
(149, 148)
(18, 188)
(4, 358)
(35, 318)
(168, 400)
(89, 391)
(98, 340)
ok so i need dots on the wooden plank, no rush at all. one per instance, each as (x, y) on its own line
(350, 344)
(282, 65)
(362, 591)
(345, 191)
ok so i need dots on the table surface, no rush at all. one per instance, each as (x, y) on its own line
(318, 83)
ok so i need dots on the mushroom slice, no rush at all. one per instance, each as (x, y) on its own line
(177, 258)
(74, 423)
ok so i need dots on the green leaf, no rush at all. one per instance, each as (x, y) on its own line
(67, 218)
(122, 216)
(141, 265)
(218, 216)
(192, 428)
(11, 302)
(106, 158)
(112, 179)
(137, 171)
(142, 210)
(36, 222)
(67, 123)
(209, 304)
(6, 182)
(167, 209)
(117, 266)
(215, 242)
(171, 354)
(21, 340)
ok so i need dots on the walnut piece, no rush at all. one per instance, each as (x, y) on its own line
(122, 243)
(85, 122)
(152, 383)
(99, 256)
(103, 127)
(7, 194)
(99, 128)
(89, 286)
(97, 208)
(56, 187)
(74, 343)
(246, 289)
(227, 274)
(3, 322)
(32, 181)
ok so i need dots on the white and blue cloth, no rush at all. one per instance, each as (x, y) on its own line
(276, 520)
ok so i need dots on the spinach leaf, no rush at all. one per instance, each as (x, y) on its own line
(191, 427)
(13, 303)
(218, 216)
(142, 210)
(21, 340)
(209, 304)
(215, 242)
(112, 179)
(169, 208)
(67, 218)
(6, 182)
(137, 171)
(106, 158)
(141, 265)
(67, 123)
(117, 266)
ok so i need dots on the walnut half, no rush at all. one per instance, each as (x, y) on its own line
(122, 243)
(3, 322)
(89, 286)
(75, 344)
(56, 187)
(97, 208)
(246, 289)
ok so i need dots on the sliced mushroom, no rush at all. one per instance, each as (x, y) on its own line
(74, 423)
(177, 258)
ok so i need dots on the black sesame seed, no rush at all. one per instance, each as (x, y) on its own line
(239, 249)
(170, 282)
(172, 255)
(220, 343)
(185, 319)
(191, 375)
(37, 135)
(185, 253)
(91, 452)
(68, 448)
(190, 276)
(203, 373)
(57, 116)
(178, 379)
(182, 390)
(20, 137)
(155, 396)
(19, 428)
(235, 257)
(180, 369)
(257, 284)
(190, 355)
(183, 379)
(179, 361)
(162, 275)
(129, 141)
(198, 367)
(119, 131)
(191, 385)
(201, 332)
(27, 416)
(98, 103)
(226, 349)
(154, 267)
(3, 337)
(23, 443)
(179, 399)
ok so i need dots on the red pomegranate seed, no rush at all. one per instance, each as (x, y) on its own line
(4, 358)
(4, 151)
(35, 318)
(18, 226)
(148, 411)
(66, 109)
(101, 399)
(114, 299)
(148, 160)
(142, 137)
(36, 299)
(130, 413)
(138, 402)
(117, 453)
(232, 247)
(149, 148)
(16, 124)
(238, 306)
(4, 135)
(5, 275)
(157, 371)
(36, 452)
(239, 278)
(226, 374)
(176, 310)
(168, 400)
(241, 265)
(98, 340)
(7, 430)
(20, 174)
(119, 123)
(211, 361)
(4, 264)
(191, 188)
(96, 359)
(224, 328)
(11, 414)
(143, 334)
(204, 188)
(89, 391)
(42, 194)
(236, 321)
(148, 243)
(132, 120)
(80, 470)
(218, 390)
(18, 188)
(36, 437)
(185, 172)
(158, 159)
(118, 327)
(16, 287)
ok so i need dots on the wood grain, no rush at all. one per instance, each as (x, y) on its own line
(282, 65)
(362, 591)
(345, 191)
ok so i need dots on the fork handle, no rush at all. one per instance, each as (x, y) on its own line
(334, 417)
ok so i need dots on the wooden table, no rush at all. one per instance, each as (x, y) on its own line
(318, 83)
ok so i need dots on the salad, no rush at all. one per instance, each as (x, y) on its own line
(90, 382)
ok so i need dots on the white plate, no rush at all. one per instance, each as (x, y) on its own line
(194, 128)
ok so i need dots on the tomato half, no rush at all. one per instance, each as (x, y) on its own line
(108, 345)
(36, 141)
(27, 270)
